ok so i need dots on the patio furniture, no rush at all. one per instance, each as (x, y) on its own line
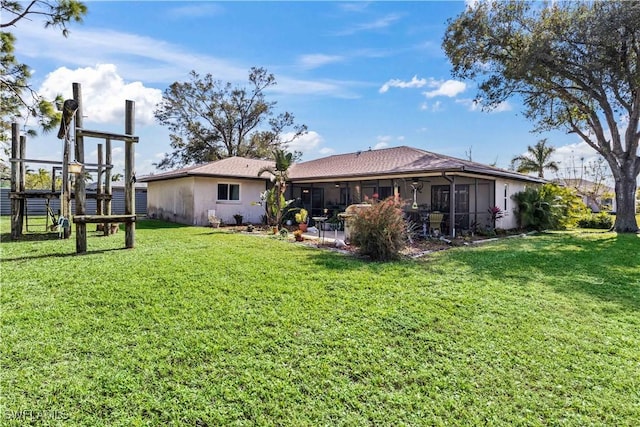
(435, 222)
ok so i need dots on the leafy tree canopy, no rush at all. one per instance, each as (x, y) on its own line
(210, 120)
(537, 159)
(18, 100)
(574, 63)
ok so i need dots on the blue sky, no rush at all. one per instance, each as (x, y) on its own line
(360, 75)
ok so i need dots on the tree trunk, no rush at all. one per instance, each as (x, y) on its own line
(626, 205)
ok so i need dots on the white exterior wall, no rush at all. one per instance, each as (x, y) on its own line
(206, 198)
(506, 203)
(171, 200)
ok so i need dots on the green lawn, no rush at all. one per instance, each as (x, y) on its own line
(204, 328)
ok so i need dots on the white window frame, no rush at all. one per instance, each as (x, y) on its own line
(229, 184)
(506, 199)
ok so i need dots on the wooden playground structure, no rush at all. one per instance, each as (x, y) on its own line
(72, 112)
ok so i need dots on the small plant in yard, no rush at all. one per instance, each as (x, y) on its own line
(297, 234)
(302, 216)
(380, 231)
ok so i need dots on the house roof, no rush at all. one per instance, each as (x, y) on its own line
(235, 167)
(385, 162)
(392, 161)
(585, 186)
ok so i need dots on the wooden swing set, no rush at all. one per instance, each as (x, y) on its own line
(72, 111)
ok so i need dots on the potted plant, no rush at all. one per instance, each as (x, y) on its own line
(301, 219)
(298, 235)
(238, 219)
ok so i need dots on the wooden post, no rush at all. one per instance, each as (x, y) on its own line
(22, 172)
(81, 229)
(129, 174)
(106, 207)
(99, 202)
(16, 220)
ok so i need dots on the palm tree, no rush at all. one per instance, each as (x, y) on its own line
(537, 159)
(280, 173)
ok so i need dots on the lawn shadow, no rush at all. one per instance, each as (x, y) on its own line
(29, 237)
(606, 267)
(62, 255)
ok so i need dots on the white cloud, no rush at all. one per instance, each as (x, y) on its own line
(103, 93)
(153, 61)
(573, 155)
(449, 88)
(378, 24)
(196, 10)
(318, 60)
(434, 108)
(413, 83)
(385, 141)
(307, 142)
(325, 151)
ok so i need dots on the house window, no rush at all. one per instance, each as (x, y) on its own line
(228, 191)
(505, 207)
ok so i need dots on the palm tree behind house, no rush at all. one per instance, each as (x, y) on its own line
(537, 159)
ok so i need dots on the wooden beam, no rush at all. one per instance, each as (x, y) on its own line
(57, 163)
(99, 219)
(107, 135)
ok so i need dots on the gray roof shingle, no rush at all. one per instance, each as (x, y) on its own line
(235, 167)
(388, 161)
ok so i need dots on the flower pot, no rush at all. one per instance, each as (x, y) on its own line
(303, 226)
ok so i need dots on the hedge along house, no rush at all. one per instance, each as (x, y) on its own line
(462, 190)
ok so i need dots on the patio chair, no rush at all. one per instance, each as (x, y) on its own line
(435, 222)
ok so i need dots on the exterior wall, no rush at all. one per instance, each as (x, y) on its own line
(206, 198)
(504, 190)
(171, 200)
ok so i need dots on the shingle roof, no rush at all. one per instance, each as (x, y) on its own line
(237, 167)
(388, 161)
(391, 161)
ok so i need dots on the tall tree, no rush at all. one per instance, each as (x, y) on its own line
(537, 159)
(576, 66)
(210, 120)
(18, 99)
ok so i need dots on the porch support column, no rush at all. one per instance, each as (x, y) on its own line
(475, 202)
(452, 207)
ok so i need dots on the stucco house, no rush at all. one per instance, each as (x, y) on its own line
(460, 189)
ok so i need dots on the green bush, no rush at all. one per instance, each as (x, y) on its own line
(381, 230)
(549, 207)
(600, 220)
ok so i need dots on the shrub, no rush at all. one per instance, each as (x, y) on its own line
(381, 230)
(599, 220)
(548, 207)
